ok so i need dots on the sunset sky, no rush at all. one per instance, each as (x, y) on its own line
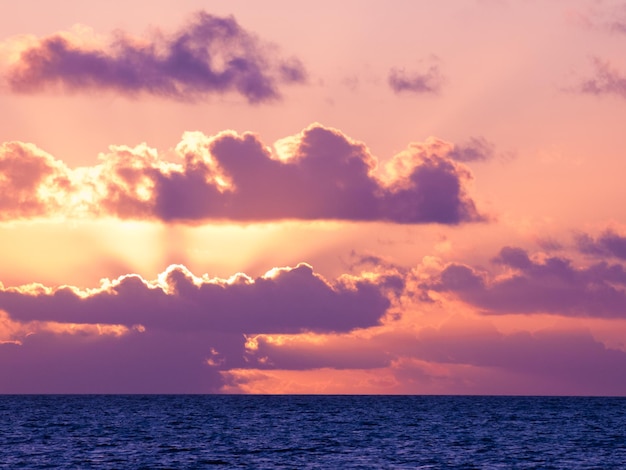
(361, 197)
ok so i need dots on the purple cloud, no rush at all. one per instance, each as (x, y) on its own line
(210, 55)
(549, 362)
(545, 362)
(608, 244)
(177, 333)
(318, 174)
(475, 150)
(148, 362)
(553, 285)
(292, 300)
(429, 82)
(606, 80)
(327, 177)
(437, 184)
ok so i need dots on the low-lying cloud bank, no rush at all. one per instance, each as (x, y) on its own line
(182, 333)
(173, 334)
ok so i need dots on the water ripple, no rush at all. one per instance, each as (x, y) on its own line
(308, 432)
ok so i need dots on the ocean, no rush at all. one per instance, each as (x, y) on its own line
(307, 432)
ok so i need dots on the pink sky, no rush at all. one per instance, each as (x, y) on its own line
(276, 197)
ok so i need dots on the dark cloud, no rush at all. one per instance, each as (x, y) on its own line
(176, 334)
(606, 80)
(429, 82)
(327, 176)
(210, 55)
(292, 300)
(187, 355)
(148, 362)
(609, 244)
(554, 285)
(321, 174)
(435, 193)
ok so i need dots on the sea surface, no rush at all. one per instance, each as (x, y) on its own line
(299, 432)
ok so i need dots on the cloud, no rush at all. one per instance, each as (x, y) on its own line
(608, 244)
(428, 82)
(549, 362)
(171, 335)
(465, 355)
(317, 174)
(300, 352)
(209, 55)
(32, 182)
(610, 18)
(606, 80)
(286, 300)
(551, 285)
(201, 335)
(148, 362)
(476, 149)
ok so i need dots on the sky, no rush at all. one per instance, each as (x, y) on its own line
(280, 197)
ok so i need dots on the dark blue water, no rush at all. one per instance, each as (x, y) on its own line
(334, 432)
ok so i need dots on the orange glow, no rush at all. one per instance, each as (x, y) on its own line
(317, 381)
(12, 331)
(157, 173)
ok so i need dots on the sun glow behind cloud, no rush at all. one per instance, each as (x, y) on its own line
(214, 202)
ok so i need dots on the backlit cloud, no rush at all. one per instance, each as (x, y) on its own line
(209, 55)
(32, 182)
(187, 334)
(170, 335)
(317, 174)
(285, 300)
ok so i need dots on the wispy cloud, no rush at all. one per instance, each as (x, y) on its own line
(601, 16)
(429, 81)
(475, 149)
(605, 80)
